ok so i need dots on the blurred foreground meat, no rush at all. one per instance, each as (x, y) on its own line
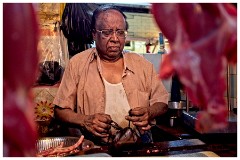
(203, 37)
(20, 39)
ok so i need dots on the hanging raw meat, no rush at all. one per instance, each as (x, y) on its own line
(20, 59)
(203, 39)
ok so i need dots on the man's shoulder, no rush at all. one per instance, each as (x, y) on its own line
(82, 56)
(78, 61)
(133, 55)
(136, 57)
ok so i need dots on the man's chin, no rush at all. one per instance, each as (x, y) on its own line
(113, 54)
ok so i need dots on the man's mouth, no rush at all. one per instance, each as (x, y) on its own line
(113, 48)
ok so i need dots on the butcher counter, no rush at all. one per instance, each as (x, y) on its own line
(179, 140)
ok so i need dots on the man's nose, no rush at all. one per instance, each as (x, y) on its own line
(114, 36)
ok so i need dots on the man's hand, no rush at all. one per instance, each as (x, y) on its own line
(98, 124)
(139, 117)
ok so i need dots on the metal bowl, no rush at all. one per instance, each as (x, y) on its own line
(48, 142)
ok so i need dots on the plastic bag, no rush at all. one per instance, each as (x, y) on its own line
(76, 26)
(53, 55)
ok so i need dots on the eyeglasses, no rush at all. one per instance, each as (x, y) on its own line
(109, 32)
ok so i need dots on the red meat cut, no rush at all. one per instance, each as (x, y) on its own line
(203, 39)
(20, 59)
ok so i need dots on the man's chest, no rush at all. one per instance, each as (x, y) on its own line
(112, 72)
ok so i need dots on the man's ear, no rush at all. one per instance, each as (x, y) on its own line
(94, 35)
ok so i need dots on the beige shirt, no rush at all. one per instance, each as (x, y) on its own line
(82, 87)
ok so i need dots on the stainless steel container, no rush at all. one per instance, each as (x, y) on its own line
(175, 110)
(177, 105)
(48, 142)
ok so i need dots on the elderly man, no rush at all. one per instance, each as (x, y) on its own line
(106, 84)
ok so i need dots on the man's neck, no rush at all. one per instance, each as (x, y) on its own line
(110, 60)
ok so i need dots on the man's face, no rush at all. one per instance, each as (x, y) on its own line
(109, 47)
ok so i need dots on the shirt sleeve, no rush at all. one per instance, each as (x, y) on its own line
(66, 95)
(158, 91)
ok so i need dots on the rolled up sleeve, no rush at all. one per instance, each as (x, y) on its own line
(158, 91)
(66, 95)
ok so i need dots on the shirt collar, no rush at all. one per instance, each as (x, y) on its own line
(128, 63)
(94, 54)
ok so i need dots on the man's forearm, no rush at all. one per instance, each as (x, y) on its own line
(157, 109)
(69, 116)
